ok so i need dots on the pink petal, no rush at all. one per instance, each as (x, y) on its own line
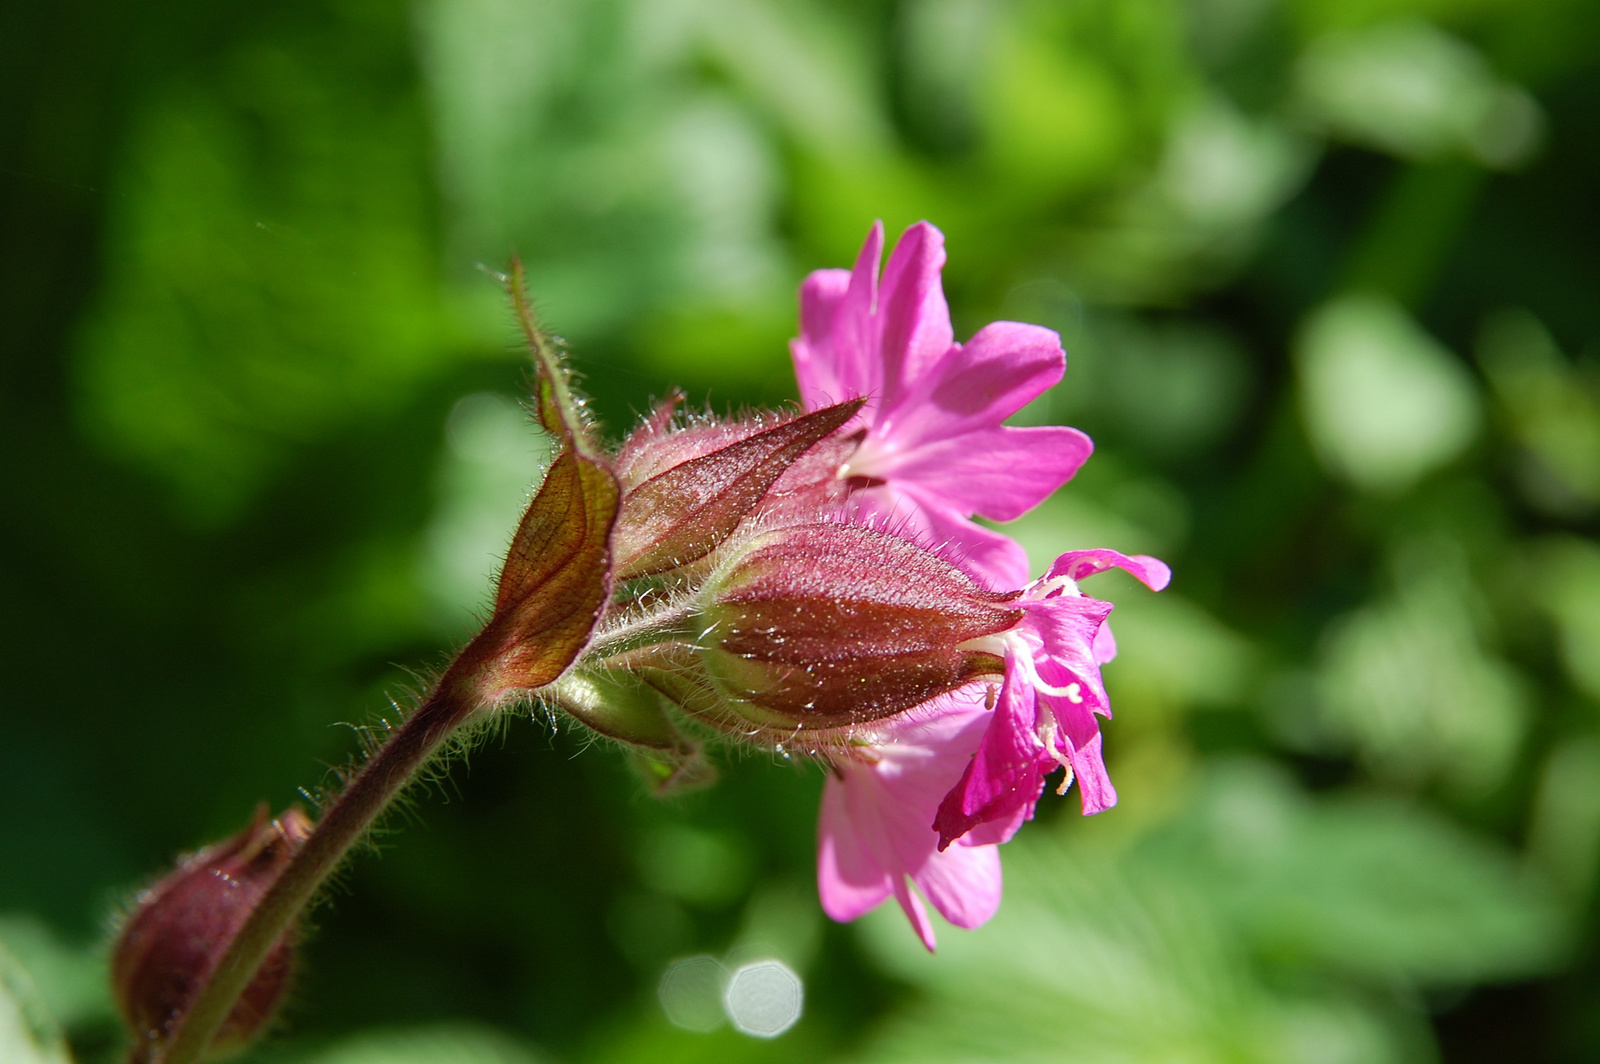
(1001, 473)
(875, 825)
(912, 905)
(1105, 645)
(1004, 775)
(1090, 776)
(996, 832)
(1077, 564)
(962, 882)
(1067, 626)
(815, 360)
(913, 774)
(914, 320)
(993, 558)
(977, 385)
(850, 879)
(857, 357)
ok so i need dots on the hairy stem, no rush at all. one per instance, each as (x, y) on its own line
(675, 620)
(345, 823)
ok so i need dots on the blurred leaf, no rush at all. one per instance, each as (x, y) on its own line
(1052, 115)
(1133, 953)
(1171, 390)
(1222, 170)
(1409, 681)
(693, 864)
(1364, 885)
(649, 1039)
(1383, 401)
(444, 1044)
(1417, 92)
(1174, 653)
(270, 276)
(779, 921)
(1567, 583)
(494, 454)
(73, 983)
(28, 1033)
(581, 135)
(803, 64)
(1179, 948)
(1564, 830)
(1554, 413)
(1194, 218)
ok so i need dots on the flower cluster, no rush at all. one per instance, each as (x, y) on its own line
(815, 582)
(929, 796)
(811, 581)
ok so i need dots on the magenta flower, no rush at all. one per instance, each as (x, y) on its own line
(935, 451)
(876, 810)
(1045, 713)
(919, 801)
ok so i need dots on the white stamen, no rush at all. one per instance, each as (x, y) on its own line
(1073, 692)
(1048, 733)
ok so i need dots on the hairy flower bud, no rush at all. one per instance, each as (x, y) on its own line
(825, 625)
(623, 707)
(180, 927)
(685, 491)
(617, 706)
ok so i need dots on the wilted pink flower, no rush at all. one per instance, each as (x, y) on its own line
(920, 800)
(934, 451)
(877, 806)
(1045, 712)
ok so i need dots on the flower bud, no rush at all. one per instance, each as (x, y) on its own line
(622, 706)
(180, 927)
(616, 705)
(686, 490)
(825, 625)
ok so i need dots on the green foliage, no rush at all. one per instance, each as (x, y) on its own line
(451, 1044)
(28, 1031)
(273, 274)
(1257, 924)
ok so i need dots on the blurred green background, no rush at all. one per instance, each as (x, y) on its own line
(1328, 273)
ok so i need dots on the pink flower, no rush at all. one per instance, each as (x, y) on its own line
(928, 795)
(920, 801)
(1045, 712)
(935, 451)
(876, 810)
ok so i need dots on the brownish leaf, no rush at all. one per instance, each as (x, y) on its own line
(555, 581)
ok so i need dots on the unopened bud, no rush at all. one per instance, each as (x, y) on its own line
(616, 705)
(686, 490)
(622, 706)
(179, 929)
(825, 625)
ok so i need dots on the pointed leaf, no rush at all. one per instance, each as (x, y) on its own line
(560, 410)
(554, 583)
